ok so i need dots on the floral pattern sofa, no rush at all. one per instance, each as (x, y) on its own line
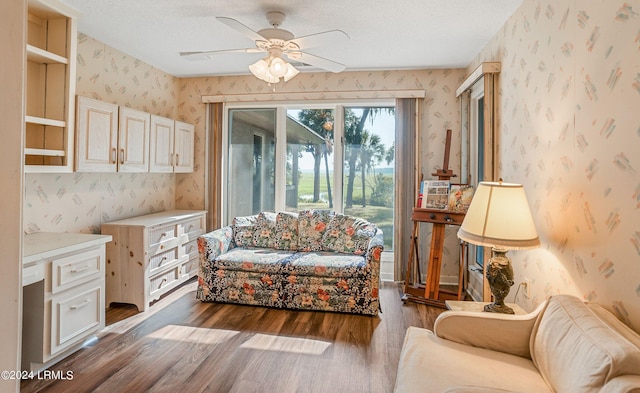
(312, 260)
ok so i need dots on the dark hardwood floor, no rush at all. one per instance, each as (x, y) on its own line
(183, 345)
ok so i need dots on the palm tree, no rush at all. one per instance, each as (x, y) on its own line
(372, 152)
(353, 129)
(321, 122)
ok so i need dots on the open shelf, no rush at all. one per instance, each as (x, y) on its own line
(50, 86)
(42, 56)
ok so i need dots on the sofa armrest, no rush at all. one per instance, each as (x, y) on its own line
(213, 244)
(375, 248)
(498, 332)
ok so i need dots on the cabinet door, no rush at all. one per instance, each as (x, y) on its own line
(184, 147)
(161, 144)
(96, 136)
(133, 140)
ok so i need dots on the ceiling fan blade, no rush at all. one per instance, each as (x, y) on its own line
(239, 27)
(316, 61)
(320, 39)
(206, 54)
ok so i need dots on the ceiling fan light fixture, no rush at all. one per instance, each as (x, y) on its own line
(260, 69)
(278, 67)
(291, 72)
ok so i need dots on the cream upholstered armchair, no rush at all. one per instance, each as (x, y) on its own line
(565, 345)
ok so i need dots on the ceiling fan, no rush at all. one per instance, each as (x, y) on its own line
(277, 42)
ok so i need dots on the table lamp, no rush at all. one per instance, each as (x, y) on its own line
(499, 217)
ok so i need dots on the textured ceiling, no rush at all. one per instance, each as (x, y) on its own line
(384, 35)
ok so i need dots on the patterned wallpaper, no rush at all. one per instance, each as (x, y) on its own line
(81, 202)
(569, 89)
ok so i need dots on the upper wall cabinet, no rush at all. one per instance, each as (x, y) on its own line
(172, 145)
(111, 139)
(96, 136)
(50, 86)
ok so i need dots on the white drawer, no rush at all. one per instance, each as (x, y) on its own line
(32, 274)
(163, 282)
(192, 227)
(189, 268)
(76, 269)
(191, 249)
(76, 314)
(162, 260)
(161, 234)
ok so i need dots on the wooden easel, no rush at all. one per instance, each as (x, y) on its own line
(440, 219)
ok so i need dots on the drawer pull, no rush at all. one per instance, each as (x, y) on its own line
(79, 305)
(163, 234)
(79, 269)
(189, 229)
(164, 280)
(164, 258)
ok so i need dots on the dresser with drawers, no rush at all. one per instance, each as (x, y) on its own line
(151, 254)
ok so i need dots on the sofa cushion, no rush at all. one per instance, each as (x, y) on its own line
(328, 264)
(286, 231)
(254, 260)
(312, 225)
(243, 230)
(318, 264)
(576, 350)
(265, 234)
(348, 234)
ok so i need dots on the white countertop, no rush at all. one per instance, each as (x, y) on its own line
(153, 219)
(42, 245)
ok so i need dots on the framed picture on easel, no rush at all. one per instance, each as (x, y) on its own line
(436, 194)
(460, 196)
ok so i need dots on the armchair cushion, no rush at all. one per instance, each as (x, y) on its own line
(430, 364)
(575, 351)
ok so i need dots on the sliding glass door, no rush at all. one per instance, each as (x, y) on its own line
(369, 166)
(310, 165)
(251, 161)
(333, 157)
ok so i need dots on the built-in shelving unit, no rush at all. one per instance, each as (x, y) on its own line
(51, 52)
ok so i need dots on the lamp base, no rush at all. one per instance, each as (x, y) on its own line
(500, 278)
(498, 308)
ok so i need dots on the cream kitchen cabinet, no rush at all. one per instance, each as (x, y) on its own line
(63, 295)
(111, 138)
(50, 86)
(172, 145)
(151, 254)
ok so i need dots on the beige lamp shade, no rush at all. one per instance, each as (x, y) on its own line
(499, 217)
